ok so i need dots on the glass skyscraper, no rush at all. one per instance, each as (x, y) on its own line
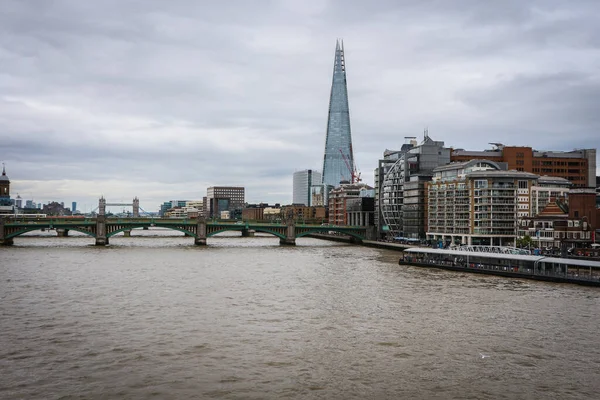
(338, 161)
(303, 181)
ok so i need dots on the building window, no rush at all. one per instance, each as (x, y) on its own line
(481, 183)
(523, 185)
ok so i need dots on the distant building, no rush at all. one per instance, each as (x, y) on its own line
(303, 181)
(598, 192)
(272, 213)
(224, 198)
(568, 221)
(6, 203)
(55, 208)
(344, 198)
(319, 195)
(304, 214)
(168, 205)
(360, 211)
(256, 212)
(577, 166)
(545, 190)
(74, 207)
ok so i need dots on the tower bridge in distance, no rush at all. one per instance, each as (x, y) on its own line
(102, 228)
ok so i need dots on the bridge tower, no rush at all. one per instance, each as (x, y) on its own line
(102, 206)
(136, 207)
(101, 238)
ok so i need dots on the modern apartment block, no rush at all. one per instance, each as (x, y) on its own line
(303, 182)
(402, 194)
(383, 167)
(476, 202)
(577, 166)
(224, 198)
(545, 190)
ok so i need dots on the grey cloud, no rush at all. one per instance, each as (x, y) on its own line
(171, 97)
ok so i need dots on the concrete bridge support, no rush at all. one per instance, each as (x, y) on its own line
(290, 235)
(127, 233)
(3, 240)
(248, 232)
(101, 238)
(200, 239)
(62, 232)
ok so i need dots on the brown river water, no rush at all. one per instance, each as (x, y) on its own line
(153, 316)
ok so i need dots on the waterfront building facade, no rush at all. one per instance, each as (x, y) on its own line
(303, 183)
(304, 214)
(338, 160)
(408, 175)
(567, 221)
(383, 167)
(339, 198)
(577, 166)
(476, 202)
(224, 198)
(545, 190)
(360, 211)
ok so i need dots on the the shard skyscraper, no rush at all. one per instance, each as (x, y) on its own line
(338, 162)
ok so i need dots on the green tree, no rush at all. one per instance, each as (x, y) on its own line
(525, 241)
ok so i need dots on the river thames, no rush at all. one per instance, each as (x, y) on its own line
(244, 318)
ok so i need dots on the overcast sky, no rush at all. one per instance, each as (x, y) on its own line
(162, 99)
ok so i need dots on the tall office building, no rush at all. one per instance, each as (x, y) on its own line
(303, 181)
(338, 161)
(74, 207)
(224, 198)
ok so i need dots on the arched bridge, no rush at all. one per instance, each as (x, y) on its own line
(102, 228)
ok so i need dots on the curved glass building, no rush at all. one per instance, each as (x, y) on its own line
(338, 161)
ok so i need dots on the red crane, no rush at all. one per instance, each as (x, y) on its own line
(354, 174)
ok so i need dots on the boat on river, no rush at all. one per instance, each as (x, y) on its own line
(505, 263)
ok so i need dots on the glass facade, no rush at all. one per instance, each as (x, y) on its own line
(303, 181)
(338, 161)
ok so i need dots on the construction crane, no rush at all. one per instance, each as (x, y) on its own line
(354, 174)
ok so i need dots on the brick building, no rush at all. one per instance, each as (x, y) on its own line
(578, 166)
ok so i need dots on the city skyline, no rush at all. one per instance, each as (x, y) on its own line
(162, 102)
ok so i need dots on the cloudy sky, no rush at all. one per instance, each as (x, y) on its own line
(161, 99)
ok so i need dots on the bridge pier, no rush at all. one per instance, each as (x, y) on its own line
(127, 233)
(248, 232)
(101, 238)
(355, 240)
(62, 232)
(290, 235)
(3, 240)
(200, 239)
